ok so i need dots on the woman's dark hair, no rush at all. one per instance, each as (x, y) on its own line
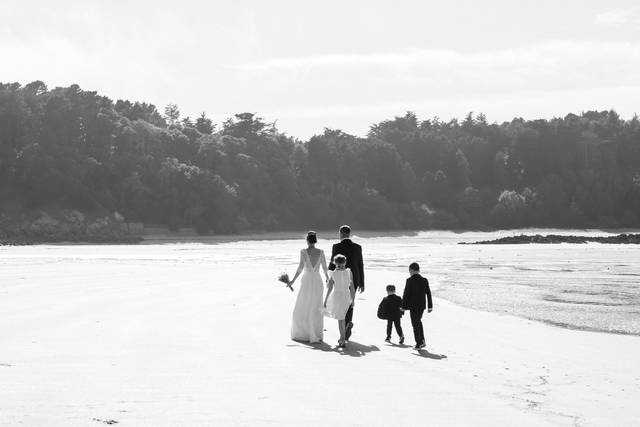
(414, 266)
(339, 259)
(311, 237)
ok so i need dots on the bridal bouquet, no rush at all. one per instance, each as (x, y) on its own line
(284, 278)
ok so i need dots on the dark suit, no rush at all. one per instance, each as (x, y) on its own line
(353, 252)
(389, 309)
(413, 299)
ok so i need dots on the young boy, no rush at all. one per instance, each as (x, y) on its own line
(390, 310)
(413, 299)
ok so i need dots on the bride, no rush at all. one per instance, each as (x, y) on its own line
(308, 320)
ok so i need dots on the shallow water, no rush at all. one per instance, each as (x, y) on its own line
(586, 286)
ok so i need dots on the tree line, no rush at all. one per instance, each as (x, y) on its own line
(75, 149)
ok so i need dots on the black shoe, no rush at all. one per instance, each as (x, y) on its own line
(387, 339)
(422, 345)
(417, 347)
(347, 332)
(401, 340)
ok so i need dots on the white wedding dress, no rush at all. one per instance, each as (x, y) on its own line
(308, 319)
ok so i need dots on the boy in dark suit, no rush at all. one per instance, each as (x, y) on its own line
(353, 252)
(413, 300)
(390, 309)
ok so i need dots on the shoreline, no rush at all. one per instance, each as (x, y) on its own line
(522, 316)
(133, 240)
(572, 322)
(192, 237)
(160, 238)
(550, 323)
(269, 235)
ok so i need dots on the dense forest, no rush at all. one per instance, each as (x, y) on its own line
(68, 148)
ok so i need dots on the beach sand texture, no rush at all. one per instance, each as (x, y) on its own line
(155, 341)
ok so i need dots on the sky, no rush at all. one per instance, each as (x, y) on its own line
(335, 64)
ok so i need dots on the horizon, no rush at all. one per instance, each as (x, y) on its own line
(340, 66)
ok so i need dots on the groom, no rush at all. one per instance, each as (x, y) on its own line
(353, 252)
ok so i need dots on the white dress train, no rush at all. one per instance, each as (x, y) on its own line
(308, 320)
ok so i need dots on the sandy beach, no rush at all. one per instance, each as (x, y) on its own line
(156, 342)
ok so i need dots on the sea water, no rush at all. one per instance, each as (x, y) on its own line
(588, 286)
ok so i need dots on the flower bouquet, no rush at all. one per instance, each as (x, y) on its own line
(284, 278)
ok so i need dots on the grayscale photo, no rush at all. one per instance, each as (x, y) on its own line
(338, 213)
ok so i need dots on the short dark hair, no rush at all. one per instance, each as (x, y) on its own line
(391, 288)
(340, 259)
(346, 230)
(414, 266)
(311, 237)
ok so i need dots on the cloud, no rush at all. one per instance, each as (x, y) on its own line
(618, 16)
(406, 58)
(420, 73)
(550, 51)
(594, 98)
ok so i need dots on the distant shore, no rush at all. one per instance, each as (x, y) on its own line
(265, 235)
(160, 236)
(625, 238)
(189, 237)
(128, 240)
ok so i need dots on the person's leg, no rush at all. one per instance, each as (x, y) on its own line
(398, 328)
(414, 324)
(420, 327)
(341, 328)
(389, 324)
(348, 320)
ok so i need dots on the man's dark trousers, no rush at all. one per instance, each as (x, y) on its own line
(416, 323)
(349, 315)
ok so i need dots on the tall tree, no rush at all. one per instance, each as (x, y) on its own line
(172, 114)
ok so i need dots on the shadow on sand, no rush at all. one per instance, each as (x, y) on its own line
(353, 349)
(392, 344)
(427, 355)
